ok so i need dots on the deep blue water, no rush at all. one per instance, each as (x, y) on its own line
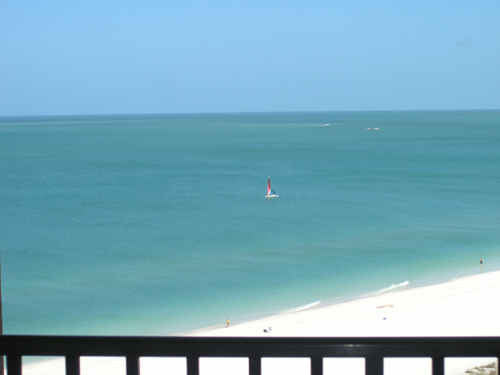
(158, 224)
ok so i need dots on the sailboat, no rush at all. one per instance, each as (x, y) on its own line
(270, 191)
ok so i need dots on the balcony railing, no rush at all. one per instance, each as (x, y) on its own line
(373, 350)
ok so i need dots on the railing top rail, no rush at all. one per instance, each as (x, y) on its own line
(23, 345)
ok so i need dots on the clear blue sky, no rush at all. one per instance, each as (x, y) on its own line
(135, 57)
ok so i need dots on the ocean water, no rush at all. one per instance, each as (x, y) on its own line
(152, 225)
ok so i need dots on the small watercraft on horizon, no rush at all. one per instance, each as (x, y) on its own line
(270, 191)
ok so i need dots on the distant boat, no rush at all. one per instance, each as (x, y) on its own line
(270, 191)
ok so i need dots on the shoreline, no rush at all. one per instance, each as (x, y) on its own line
(463, 306)
(430, 303)
(332, 301)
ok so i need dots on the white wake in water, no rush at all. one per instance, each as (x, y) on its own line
(300, 308)
(393, 286)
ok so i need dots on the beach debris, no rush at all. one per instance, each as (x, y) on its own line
(489, 369)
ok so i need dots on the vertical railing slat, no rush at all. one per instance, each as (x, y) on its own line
(193, 366)
(374, 365)
(133, 365)
(437, 366)
(14, 365)
(72, 365)
(316, 366)
(255, 367)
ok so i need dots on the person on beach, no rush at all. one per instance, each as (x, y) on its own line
(481, 261)
(227, 322)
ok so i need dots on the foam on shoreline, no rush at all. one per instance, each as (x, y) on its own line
(300, 308)
(392, 287)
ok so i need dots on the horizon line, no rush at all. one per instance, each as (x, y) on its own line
(243, 113)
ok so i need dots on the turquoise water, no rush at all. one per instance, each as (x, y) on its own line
(145, 225)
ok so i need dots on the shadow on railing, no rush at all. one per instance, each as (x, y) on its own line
(373, 350)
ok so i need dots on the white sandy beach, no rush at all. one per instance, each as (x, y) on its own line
(461, 307)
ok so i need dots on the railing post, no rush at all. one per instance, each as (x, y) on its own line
(316, 366)
(14, 365)
(374, 365)
(72, 365)
(437, 366)
(193, 366)
(254, 364)
(133, 366)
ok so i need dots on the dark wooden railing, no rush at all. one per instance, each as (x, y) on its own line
(373, 350)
